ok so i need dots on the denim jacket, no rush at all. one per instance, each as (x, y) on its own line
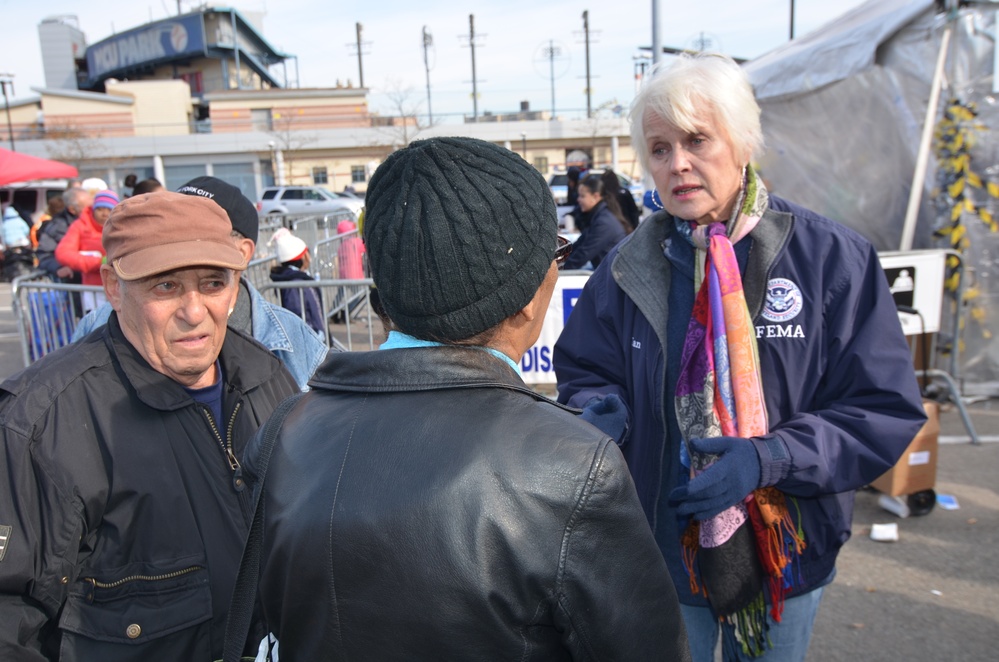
(283, 333)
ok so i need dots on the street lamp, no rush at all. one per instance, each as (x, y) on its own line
(5, 80)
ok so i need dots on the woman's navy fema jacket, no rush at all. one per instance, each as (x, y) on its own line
(840, 388)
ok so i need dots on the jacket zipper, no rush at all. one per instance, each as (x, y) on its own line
(149, 578)
(95, 584)
(225, 444)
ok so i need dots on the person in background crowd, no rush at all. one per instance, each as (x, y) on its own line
(123, 504)
(55, 206)
(746, 354)
(605, 226)
(94, 185)
(150, 185)
(625, 201)
(286, 335)
(75, 201)
(81, 250)
(131, 179)
(350, 253)
(293, 256)
(16, 233)
(572, 186)
(443, 459)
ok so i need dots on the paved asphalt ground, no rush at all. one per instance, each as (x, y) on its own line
(931, 596)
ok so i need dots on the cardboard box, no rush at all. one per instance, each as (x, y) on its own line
(916, 470)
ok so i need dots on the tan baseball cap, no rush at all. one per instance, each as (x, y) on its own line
(157, 232)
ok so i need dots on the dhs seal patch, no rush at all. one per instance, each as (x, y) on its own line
(783, 302)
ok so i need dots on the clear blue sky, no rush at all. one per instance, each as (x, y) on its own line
(511, 37)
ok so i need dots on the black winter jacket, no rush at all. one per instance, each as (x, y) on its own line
(50, 234)
(424, 504)
(127, 517)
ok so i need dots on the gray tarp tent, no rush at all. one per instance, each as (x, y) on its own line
(843, 110)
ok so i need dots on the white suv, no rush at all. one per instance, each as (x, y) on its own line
(306, 200)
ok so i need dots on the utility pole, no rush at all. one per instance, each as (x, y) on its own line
(551, 53)
(5, 80)
(657, 45)
(792, 20)
(475, 89)
(586, 33)
(360, 62)
(428, 41)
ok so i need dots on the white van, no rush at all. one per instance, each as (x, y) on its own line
(31, 198)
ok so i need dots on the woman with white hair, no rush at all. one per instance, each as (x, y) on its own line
(747, 356)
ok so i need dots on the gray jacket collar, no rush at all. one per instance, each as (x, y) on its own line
(642, 271)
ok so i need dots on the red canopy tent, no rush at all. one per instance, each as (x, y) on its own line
(17, 167)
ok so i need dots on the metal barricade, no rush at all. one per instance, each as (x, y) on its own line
(258, 271)
(351, 323)
(46, 312)
(268, 226)
(313, 229)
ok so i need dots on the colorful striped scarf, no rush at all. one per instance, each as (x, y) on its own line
(744, 555)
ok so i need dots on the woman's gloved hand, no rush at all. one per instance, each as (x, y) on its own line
(725, 483)
(607, 413)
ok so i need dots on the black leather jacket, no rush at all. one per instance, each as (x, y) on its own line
(424, 504)
(127, 518)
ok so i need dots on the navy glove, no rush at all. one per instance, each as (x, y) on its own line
(725, 483)
(607, 413)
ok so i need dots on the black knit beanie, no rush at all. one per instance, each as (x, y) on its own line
(460, 233)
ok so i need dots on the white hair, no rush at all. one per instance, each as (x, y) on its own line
(687, 89)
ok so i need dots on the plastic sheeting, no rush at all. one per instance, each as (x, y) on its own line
(843, 109)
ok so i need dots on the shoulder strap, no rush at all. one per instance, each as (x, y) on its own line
(244, 595)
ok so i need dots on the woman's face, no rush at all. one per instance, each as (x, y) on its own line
(587, 199)
(698, 175)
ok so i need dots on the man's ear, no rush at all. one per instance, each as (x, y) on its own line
(112, 286)
(247, 248)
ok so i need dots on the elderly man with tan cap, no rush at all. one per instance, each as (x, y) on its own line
(123, 507)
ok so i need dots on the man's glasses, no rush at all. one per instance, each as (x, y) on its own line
(562, 251)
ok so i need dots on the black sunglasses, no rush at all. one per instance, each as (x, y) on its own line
(563, 250)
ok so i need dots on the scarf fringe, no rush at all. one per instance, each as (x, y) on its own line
(689, 545)
(750, 628)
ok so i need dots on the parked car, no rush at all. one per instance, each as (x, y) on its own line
(305, 200)
(559, 184)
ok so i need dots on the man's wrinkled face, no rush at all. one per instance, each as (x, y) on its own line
(176, 320)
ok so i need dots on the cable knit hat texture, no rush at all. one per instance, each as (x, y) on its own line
(460, 234)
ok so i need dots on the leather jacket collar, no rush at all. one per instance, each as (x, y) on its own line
(420, 369)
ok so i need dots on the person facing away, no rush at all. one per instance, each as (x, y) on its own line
(294, 259)
(16, 233)
(55, 206)
(625, 201)
(469, 517)
(150, 185)
(350, 253)
(605, 226)
(75, 200)
(746, 454)
(124, 507)
(286, 335)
